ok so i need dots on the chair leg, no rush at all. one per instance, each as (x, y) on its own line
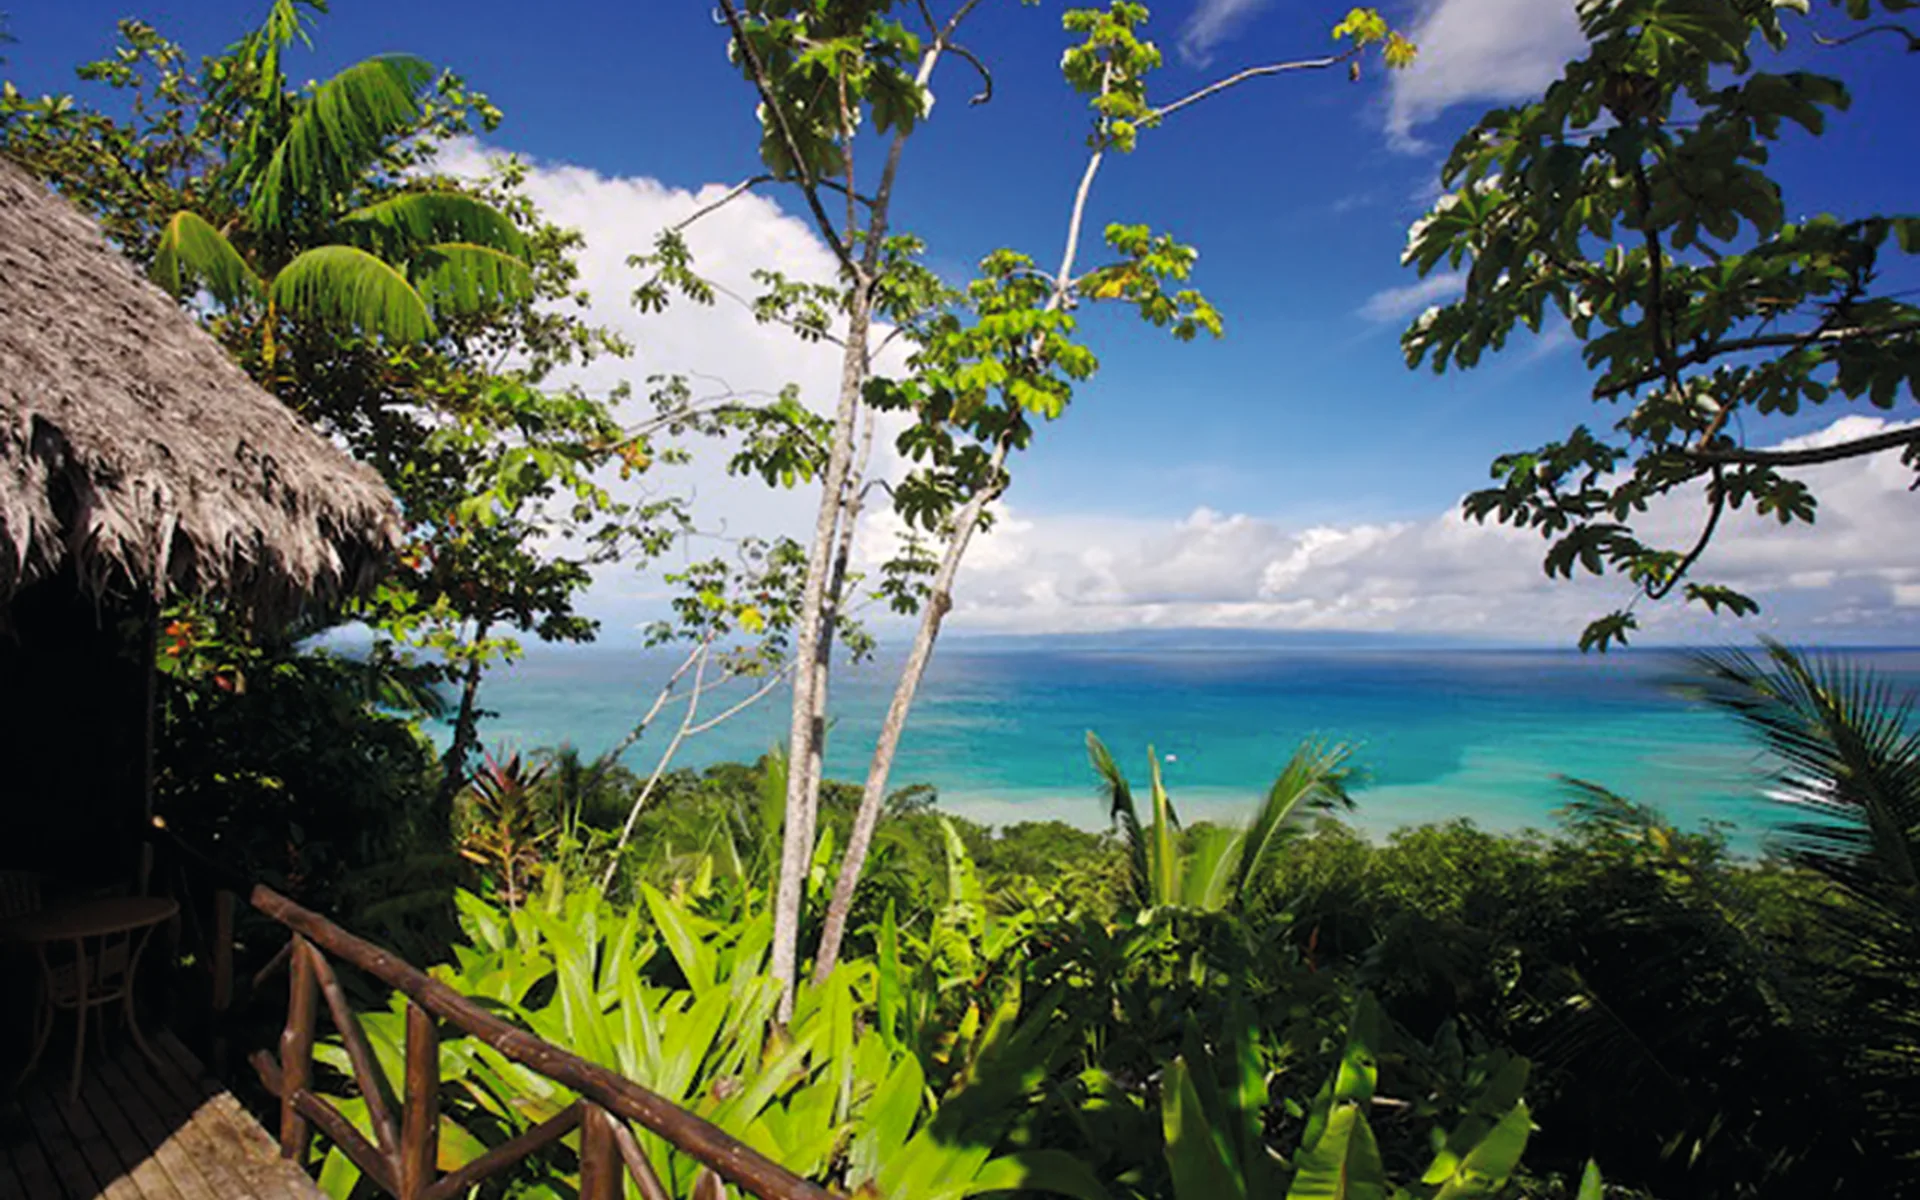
(79, 1019)
(126, 999)
(42, 1030)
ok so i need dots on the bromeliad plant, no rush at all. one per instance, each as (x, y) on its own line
(683, 1004)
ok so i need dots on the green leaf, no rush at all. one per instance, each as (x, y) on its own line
(338, 132)
(192, 254)
(694, 954)
(888, 1121)
(1487, 1166)
(1052, 1171)
(347, 285)
(426, 218)
(1199, 1170)
(461, 277)
(1344, 1164)
(1591, 1187)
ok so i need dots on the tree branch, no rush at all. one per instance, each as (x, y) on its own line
(1704, 354)
(986, 77)
(660, 767)
(809, 188)
(1240, 77)
(1716, 505)
(774, 680)
(1892, 439)
(747, 185)
(1913, 39)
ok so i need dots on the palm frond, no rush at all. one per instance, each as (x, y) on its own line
(423, 218)
(1849, 749)
(1163, 849)
(1850, 753)
(192, 254)
(339, 131)
(1120, 806)
(1207, 875)
(347, 285)
(1314, 779)
(460, 277)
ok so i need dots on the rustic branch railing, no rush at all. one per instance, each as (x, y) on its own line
(402, 1160)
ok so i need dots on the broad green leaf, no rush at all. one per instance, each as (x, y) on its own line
(345, 284)
(461, 277)
(677, 929)
(192, 254)
(888, 1120)
(1051, 1171)
(339, 131)
(1199, 1170)
(1487, 1166)
(1344, 1164)
(429, 218)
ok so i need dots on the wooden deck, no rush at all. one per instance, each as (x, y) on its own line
(139, 1133)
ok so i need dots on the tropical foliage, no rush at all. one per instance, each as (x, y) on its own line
(1214, 867)
(1632, 203)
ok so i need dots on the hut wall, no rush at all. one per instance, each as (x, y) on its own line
(72, 744)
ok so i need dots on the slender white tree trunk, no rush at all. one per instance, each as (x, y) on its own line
(812, 651)
(932, 615)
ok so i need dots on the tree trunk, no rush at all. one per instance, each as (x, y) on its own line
(812, 649)
(939, 602)
(466, 733)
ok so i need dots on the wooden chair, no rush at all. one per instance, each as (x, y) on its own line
(19, 893)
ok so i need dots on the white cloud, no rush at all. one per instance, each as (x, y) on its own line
(1213, 22)
(1055, 572)
(1850, 575)
(720, 348)
(1480, 50)
(1395, 304)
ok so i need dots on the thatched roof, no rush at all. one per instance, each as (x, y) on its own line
(132, 448)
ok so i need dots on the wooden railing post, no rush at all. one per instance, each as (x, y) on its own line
(222, 961)
(223, 902)
(607, 1099)
(420, 1122)
(600, 1166)
(296, 1052)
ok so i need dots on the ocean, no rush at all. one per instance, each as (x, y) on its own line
(999, 729)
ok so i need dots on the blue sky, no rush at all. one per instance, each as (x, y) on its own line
(1295, 474)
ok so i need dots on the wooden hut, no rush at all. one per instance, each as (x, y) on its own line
(138, 464)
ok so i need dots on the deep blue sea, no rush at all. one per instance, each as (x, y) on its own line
(1440, 734)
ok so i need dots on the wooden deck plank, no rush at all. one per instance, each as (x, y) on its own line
(149, 1181)
(197, 1129)
(243, 1142)
(114, 1175)
(142, 1130)
(36, 1174)
(156, 1128)
(69, 1168)
(10, 1185)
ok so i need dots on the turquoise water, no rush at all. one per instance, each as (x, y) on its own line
(1439, 733)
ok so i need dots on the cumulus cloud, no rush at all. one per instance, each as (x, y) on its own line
(1066, 572)
(1851, 575)
(1397, 304)
(719, 348)
(1213, 22)
(1480, 50)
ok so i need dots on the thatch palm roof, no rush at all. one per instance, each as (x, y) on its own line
(135, 450)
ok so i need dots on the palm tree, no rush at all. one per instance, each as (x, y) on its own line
(277, 230)
(1218, 867)
(1849, 751)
